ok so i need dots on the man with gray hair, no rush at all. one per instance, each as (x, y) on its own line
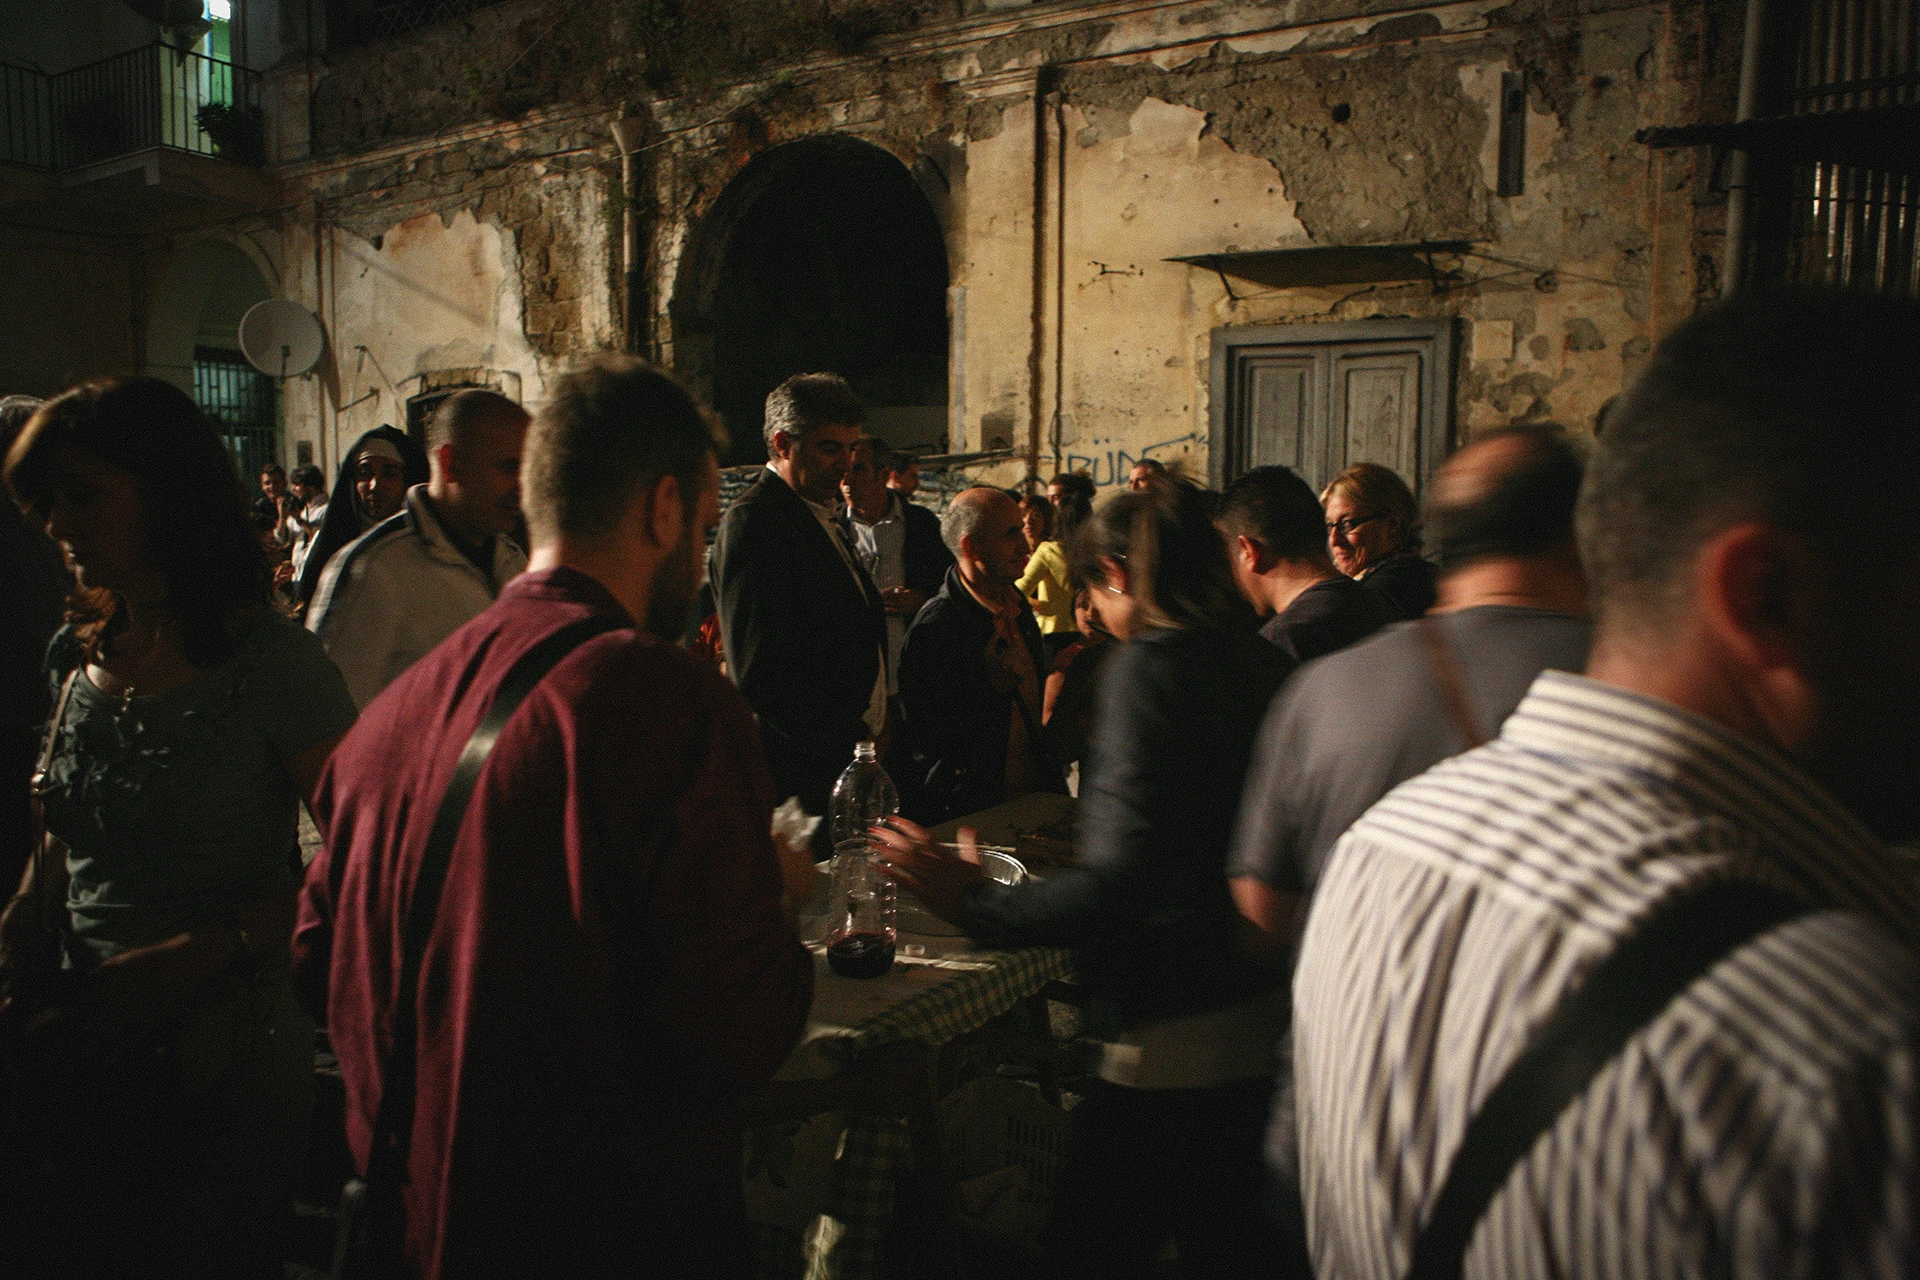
(612, 964)
(802, 623)
(409, 582)
(972, 672)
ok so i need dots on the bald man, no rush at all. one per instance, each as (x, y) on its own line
(971, 673)
(1347, 729)
(415, 578)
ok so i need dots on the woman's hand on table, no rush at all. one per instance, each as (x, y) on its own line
(940, 877)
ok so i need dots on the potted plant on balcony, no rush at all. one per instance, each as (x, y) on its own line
(239, 132)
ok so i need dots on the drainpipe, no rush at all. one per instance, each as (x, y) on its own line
(1738, 203)
(626, 135)
(1046, 142)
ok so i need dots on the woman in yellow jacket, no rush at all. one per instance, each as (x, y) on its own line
(1047, 583)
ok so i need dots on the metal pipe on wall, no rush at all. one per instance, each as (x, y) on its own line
(1738, 201)
(626, 135)
(1044, 102)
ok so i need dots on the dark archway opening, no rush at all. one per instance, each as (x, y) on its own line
(821, 255)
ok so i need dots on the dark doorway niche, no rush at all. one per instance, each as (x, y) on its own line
(429, 389)
(821, 255)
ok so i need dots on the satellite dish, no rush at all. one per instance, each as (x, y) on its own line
(281, 337)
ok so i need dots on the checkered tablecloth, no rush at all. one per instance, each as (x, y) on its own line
(932, 998)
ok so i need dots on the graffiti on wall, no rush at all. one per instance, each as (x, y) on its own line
(1111, 466)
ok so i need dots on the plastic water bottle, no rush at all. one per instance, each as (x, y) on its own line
(863, 796)
(860, 940)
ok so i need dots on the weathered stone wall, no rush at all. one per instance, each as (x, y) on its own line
(1072, 160)
(483, 248)
(1068, 151)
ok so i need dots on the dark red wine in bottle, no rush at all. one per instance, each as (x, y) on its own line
(861, 955)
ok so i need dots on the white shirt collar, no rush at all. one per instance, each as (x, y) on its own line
(893, 512)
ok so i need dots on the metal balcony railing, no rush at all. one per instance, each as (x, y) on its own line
(153, 96)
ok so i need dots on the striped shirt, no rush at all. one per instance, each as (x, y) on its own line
(1763, 1125)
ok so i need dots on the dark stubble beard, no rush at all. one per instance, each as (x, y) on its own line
(674, 584)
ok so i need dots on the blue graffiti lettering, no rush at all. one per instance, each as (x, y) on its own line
(1112, 467)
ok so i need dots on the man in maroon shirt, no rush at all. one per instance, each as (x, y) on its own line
(613, 964)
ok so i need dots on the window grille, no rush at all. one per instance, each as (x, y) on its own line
(1841, 223)
(242, 402)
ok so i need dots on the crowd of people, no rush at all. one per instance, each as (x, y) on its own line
(1379, 797)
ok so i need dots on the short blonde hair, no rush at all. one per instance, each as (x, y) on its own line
(1378, 489)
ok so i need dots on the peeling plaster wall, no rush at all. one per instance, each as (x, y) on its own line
(1380, 141)
(1139, 189)
(487, 248)
(1068, 151)
(434, 295)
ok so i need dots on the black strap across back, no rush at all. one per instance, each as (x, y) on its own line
(387, 1161)
(1625, 993)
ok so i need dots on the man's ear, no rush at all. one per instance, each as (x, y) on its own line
(782, 445)
(1248, 552)
(442, 458)
(1758, 592)
(666, 512)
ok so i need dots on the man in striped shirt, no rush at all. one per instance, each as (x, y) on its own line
(1751, 531)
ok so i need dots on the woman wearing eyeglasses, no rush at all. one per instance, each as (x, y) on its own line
(1373, 533)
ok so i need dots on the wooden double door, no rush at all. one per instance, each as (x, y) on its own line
(1320, 397)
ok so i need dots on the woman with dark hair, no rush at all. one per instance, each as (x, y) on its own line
(1169, 1143)
(1373, 534)
(143, 976)
(372, 486)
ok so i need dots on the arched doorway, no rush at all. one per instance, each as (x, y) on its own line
(193, 341)
(821, 255)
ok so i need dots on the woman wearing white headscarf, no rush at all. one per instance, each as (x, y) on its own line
(375, 475)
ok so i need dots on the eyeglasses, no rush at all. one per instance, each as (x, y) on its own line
(1347, 524)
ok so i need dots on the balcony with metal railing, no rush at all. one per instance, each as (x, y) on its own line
(152, 139)
(155, 96)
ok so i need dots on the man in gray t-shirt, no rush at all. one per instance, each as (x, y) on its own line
(1351, 727)
(1348, 728)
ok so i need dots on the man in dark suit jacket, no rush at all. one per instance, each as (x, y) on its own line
(972, 673)
(802, 624)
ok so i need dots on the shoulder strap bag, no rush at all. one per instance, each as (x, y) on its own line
(370, 1232)
(1626, 992)
(1453, 683)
